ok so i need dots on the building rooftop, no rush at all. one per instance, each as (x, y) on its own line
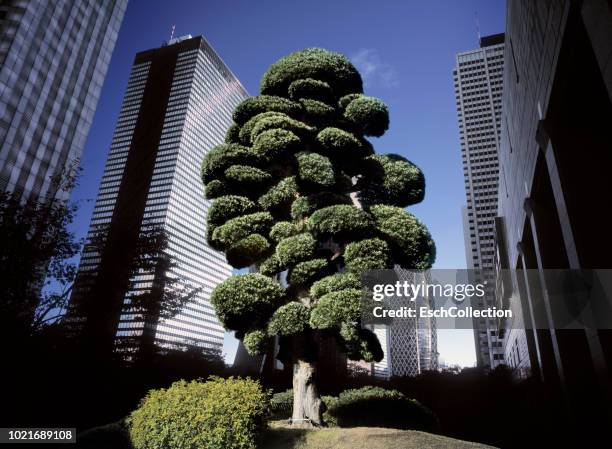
(492, 39)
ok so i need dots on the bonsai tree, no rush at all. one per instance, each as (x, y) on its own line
(300, 196)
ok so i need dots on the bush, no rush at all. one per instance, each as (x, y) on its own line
(233, 134)
(282, 230)
(115, 435)
(369, 114)
(318, 112)
(216, 414)
(393, 180)
(306, 272)
(378, 407)
(342, 145)
(333, 68)
(227, 207)
(255, 342)
(264, 103)
(315, 170)
(338, 281)
(240, 227)
(275, 143)
(292, 318)
(342, 222)
(297, 248)
(414, 247)
(223, 156)
(281, 404)
(247, 177)
(369, 254)
(304, 206)
(246, 301)
(280, 195)
(335, 308)
(310, 88)
(247, 251)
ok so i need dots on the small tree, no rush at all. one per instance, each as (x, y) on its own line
(299, 190)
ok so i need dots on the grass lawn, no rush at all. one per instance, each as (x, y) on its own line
(281, 437)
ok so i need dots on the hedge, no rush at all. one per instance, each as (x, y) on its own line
(216, 414)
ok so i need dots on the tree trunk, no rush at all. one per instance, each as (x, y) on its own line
(307, 405)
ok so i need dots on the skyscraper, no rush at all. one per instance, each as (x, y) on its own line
(478, 80)
(53, 57)
(177, 106)
(409, 344)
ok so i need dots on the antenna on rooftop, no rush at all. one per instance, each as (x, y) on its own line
(172, 32)
(477, 26)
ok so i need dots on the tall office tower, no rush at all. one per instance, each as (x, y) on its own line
(53, 60)
(409, 344)
(177, 106)
(555, 158)
(478, 79)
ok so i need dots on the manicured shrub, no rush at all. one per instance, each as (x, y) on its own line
(265, 103)
(315, 170)
(240, 227)
(345, 100)
(270, 266)
(360, 343)
(308, 271)
(246, 301)
(276, 143)
(227, 207)
(342, 222)
(282, 230)
(316, 63)
(247, 251)
(233, 134)
(369, 254)
(310, 88)
(414, 248)
(304, 206)
(318, 112)
(393, 180)
(246, 177)
(218, 159)
(247, 129)
(378, 407)
(369, 114)
(340, 144)
(294, 249)
(281, 121)
(216, 414)
(282, 194)
(281, 404)
(335, 282)
(335, 308)
(255, 342)
(291, 318)
(216, 189)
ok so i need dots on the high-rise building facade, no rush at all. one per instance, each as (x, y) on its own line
(478, 81)
(409, 344)
(53, 59)
(177, 106)
(555, 155)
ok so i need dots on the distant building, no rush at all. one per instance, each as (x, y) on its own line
(178, 105)
(478, 81)
(53, 59)
(555, 158)
(409, 344)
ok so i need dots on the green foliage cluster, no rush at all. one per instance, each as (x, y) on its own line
(300, 190)
(216, 414)
(369, 254)
(393, 180)
(292, 318)
(378, 407)
(246, 301)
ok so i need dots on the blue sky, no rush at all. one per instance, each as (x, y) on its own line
(404, 49)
